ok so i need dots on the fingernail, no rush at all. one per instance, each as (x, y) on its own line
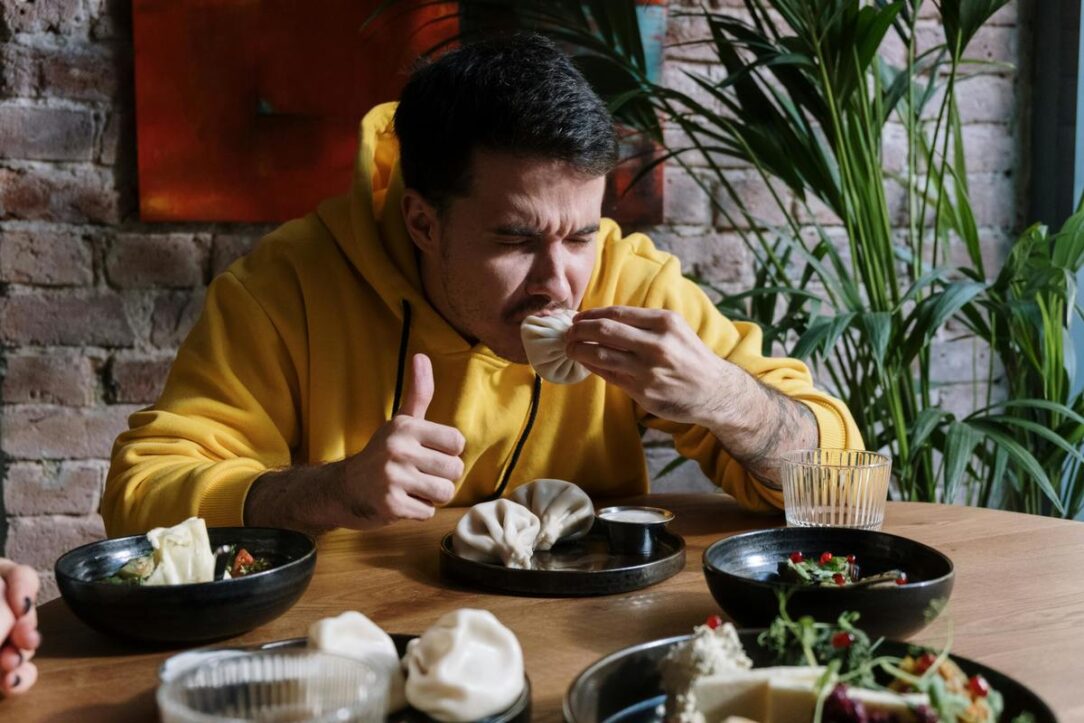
(27, 604)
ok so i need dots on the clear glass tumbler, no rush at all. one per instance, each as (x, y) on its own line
(835, 488)
(275, 686)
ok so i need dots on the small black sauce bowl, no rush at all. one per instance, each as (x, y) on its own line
(741, 572)
(632, 537)
(193, 613)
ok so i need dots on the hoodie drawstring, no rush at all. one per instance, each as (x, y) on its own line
(404, 342)
(536, 394)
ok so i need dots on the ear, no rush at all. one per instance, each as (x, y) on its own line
(422, 221)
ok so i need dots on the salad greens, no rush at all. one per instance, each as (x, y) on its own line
(828, 570)
(851, 659)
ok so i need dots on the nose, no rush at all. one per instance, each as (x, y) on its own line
(549, 274)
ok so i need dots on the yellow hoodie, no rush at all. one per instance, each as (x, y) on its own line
(301, 345)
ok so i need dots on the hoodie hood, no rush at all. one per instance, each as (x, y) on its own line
(370, 231)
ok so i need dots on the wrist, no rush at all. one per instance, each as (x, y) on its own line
(730, 404)
(296, 498)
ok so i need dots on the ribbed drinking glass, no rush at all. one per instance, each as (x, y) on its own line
(835, 488)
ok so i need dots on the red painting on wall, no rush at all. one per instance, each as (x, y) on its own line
(247, 110)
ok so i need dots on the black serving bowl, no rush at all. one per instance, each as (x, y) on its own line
(195, 613)
(741, 572)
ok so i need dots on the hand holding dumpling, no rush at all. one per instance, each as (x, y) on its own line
(659, 361)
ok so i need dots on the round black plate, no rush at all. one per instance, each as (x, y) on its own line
(518, 712)
(625, 687)
(579, 568)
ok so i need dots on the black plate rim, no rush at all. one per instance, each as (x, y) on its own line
(675, 558)
(520, 705)
(818, 590)
(304, 559)
(965, 663)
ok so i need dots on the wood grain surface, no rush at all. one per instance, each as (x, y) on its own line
(1017, 606)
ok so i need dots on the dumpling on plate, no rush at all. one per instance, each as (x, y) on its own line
(497, 531)
(544, 342)
(353, 635)
(466, 667)
(565, 510)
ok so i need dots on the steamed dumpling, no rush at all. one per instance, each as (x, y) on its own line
(497, 531)
(355, 636)
(466, 667)
(182, 554)
(544, 342)
(565, 510)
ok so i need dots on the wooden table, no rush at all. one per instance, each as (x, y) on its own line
(1018, 606)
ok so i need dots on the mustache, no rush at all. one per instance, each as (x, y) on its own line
(532, 306)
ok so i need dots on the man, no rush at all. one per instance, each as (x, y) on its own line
(364, 365)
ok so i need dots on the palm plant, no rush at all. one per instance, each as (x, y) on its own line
(805, 100)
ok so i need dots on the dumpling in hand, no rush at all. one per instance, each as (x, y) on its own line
(466, 667)
(355, 636)
(497, 531)
(544, 342)
(565, 510)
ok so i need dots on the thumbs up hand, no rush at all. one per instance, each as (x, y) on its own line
(409, 466)
(419, 388)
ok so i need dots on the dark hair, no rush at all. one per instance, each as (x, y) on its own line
(515, 94)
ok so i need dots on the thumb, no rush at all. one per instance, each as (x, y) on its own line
(419, 387)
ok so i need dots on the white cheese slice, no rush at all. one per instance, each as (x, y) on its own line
(749, 693)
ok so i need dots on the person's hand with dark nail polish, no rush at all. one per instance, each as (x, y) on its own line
(18, 627)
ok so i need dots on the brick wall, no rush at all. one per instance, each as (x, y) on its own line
(94, 302)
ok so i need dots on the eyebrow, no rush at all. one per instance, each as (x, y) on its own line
(529, 232)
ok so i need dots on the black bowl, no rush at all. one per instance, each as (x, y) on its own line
(199, 612)
(741, 572)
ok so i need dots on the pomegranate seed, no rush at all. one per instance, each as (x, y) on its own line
(842, 640)
(924, 662)
(851, 559)
(978, 686)
(826, 557)
(713, 621)
(839, 579)
(902, 579)
(796, 557)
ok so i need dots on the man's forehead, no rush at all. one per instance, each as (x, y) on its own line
(515, 175)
